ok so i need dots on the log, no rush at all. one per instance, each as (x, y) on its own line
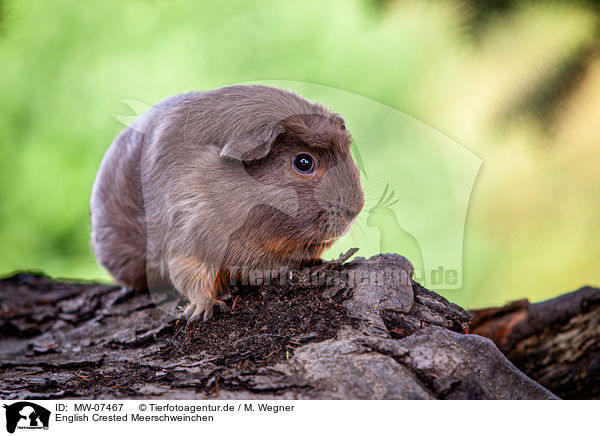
(354, 330)
(555, 342)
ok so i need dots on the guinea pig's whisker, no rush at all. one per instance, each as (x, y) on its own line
(360, 227)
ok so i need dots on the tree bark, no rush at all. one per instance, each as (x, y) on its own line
(357, 330)
(556, 342)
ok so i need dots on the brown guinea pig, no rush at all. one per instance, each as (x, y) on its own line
(208, 183)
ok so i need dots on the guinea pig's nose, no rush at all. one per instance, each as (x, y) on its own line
(350, 214)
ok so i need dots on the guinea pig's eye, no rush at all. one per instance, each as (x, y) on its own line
(303, 163)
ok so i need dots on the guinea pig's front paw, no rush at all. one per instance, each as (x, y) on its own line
(203, 309)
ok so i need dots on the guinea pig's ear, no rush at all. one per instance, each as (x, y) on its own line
(252, 146)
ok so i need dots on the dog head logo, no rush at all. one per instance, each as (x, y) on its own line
(26, 415)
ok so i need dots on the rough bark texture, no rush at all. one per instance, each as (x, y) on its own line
(556, 342)
(360, 330)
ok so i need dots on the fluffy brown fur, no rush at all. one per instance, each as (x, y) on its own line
(203, 184)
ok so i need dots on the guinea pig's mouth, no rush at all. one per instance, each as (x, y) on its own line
(324, 243)
(331, 239)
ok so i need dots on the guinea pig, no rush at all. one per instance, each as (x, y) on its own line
(207, 184)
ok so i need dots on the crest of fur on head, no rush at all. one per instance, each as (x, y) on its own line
(211, 184)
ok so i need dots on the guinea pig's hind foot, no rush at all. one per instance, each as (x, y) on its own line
(203, 309)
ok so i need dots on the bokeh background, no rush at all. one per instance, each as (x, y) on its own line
(515, 82)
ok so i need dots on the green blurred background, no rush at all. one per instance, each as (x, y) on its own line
(515, 82)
